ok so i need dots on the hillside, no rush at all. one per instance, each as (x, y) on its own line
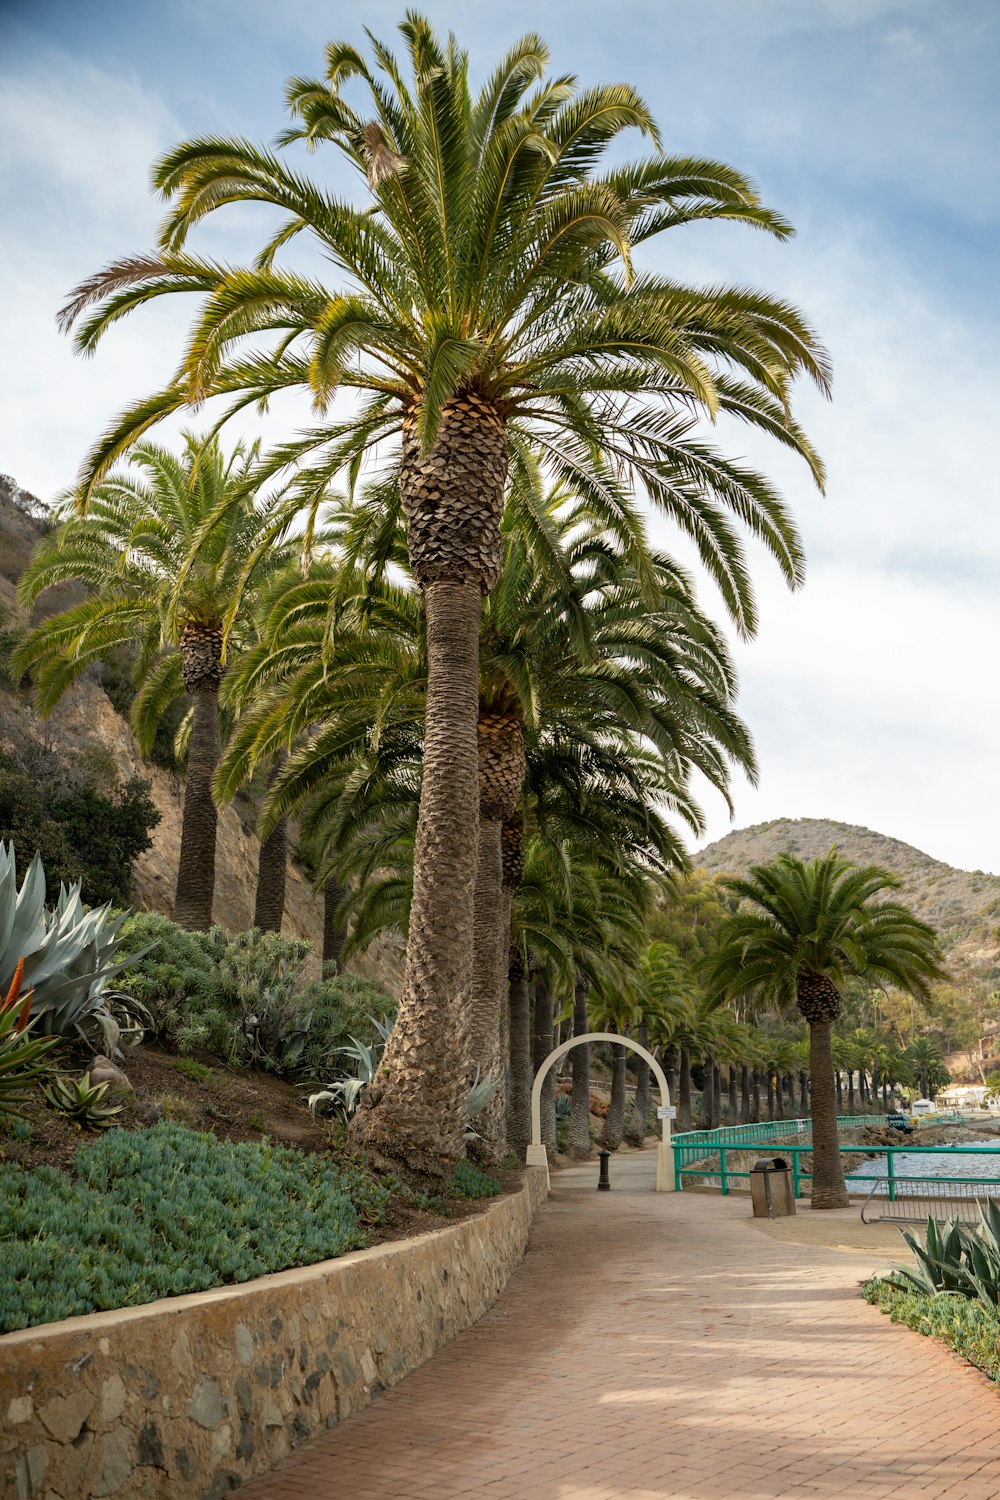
(964, 905)
(87, 720)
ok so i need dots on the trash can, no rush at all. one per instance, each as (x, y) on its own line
(771, 1188)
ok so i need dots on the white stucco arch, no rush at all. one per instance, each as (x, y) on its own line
(536, 1154)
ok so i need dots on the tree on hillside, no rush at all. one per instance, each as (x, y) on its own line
(173, 573)
(484, 304)
(800, 931)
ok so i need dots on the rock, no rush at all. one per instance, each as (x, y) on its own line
(19, 1410)
(180, 1354)
(270, 1416)
(112, 1400)
(245, 1447)
(150, 1447)
(244, 1345)
(64, 1416)
(116, 1464)
(206, 1406)
(103, 1070)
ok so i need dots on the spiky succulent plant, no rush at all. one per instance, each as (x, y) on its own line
(23, 1056)
(83, 1101)
(68, 952)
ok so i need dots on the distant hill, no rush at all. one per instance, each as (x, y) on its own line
(964, 905)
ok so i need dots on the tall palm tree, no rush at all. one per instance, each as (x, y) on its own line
(169, 553)
(924, 1055)
(485, 305)
(801, 930)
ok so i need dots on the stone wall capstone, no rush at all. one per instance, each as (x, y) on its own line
(190, 1396)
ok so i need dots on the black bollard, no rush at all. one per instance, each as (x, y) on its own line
(603, 1182)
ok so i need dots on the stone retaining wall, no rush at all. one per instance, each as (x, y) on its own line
(187, 1397)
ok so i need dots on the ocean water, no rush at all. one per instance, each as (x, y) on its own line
(963, 1159)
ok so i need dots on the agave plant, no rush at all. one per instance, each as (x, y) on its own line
(83, 1101)
(340, 1097)
(68, 952)
(954, 1259)
(21, 1053)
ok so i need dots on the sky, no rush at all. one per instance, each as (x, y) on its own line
(872, 124)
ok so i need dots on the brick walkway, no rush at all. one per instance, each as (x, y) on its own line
(660, 1347)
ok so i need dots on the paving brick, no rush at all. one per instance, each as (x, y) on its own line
(659, 1347)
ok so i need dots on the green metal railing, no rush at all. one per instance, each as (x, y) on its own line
(691, 1146)
(895, 1186)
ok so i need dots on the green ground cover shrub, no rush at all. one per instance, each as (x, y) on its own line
(966, 1326)
(164, 1211)
(470, 1182)
(244, 998)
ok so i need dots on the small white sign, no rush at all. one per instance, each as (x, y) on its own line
(666, 1112)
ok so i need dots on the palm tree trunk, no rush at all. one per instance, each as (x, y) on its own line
(670, 1070)
(519, 1098)
(484, 1001)
(838, 1079)
(923, 1081)
(732, 1103)
(850, 1091)
(755, 1106)
(413, 1115)
(803, 1094)
(779, 1096)
(770, 1095)
(716, 1096)
(334, 930)
(196, 866)
(745, 1093)
(684, 1092)
(542, 1048)
(614, 1124)
(828, 1189)
(636, 1133)
(272, 868)
(579, 1118)
(707, 1094)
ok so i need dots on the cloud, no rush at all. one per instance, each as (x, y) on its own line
(871, 702)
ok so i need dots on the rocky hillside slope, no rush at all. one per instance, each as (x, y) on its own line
(86, 719)
(964, 905)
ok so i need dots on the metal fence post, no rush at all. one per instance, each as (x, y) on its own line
(890, 1167)
(722, 1169)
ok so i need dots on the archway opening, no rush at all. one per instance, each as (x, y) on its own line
(536, 1155)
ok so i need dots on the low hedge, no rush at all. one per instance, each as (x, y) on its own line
(159, 1212)
(966, 1326)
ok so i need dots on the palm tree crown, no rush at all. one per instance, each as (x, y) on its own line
(174, 570)
(808, 926)
(488, 279)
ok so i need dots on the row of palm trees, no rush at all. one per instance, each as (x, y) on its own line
(466, 670)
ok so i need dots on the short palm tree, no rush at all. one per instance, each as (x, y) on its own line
(485, 304)
(171, 569)
(801, 930)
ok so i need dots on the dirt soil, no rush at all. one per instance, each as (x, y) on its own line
(236, 1105)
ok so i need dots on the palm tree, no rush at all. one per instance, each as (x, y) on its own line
(802, 929)
(487, 306)
(924, 1054)
(174, 574)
